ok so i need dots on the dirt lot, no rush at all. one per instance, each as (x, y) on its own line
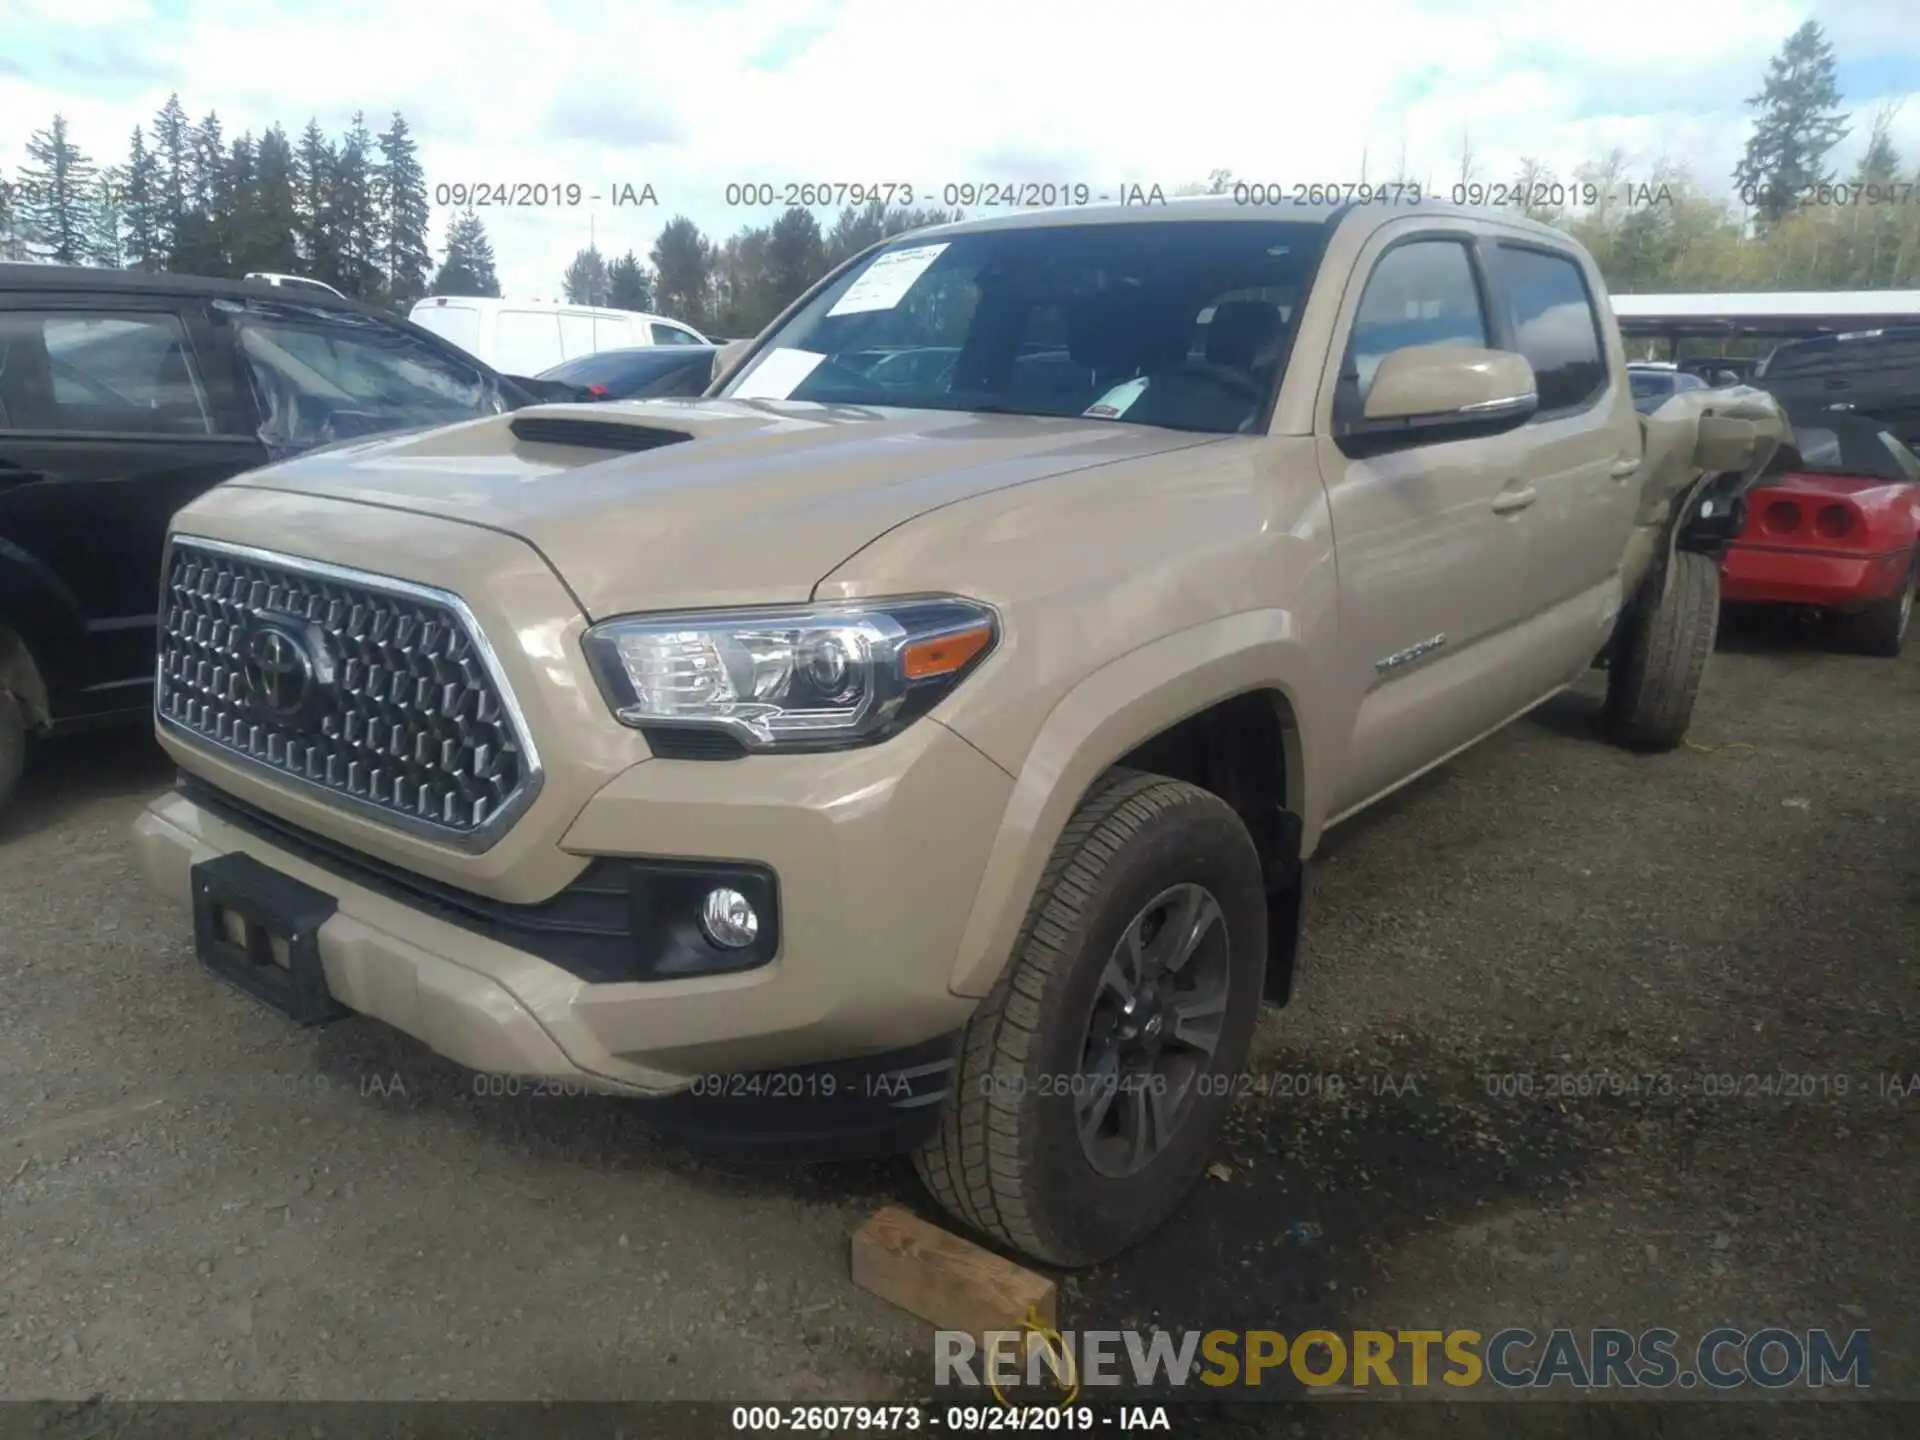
(200, 1201)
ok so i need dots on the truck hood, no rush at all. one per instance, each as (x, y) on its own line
(668, 504)
(1697, 435)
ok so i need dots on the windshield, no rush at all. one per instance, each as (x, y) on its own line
(1843, 445)
(458, 323)
(324, 375)
(1179, 324)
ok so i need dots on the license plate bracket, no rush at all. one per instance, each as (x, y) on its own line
(268, 906)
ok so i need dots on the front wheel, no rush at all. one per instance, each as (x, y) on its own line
(1881, 628)
(1094, 1075)
(1660, 656)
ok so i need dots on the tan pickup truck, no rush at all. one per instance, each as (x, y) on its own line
(917, 742)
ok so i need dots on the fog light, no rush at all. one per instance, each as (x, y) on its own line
(728, 919)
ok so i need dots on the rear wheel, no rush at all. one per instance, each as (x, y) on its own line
(1660, 656)
(1881, 629)
(1094, 1075)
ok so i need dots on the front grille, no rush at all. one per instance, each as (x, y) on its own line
(376, 693)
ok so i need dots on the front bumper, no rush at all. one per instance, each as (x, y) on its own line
(878, 854)
(1780, 575)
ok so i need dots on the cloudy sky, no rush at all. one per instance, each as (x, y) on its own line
(688, 95)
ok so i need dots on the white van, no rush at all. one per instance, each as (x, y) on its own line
(525, 337)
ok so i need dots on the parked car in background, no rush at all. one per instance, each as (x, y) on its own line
(1875, 373)
(1654, 383)
(1838, 532)
(635, 374)
(293, 282)
(122, 397)
(527, 337)
(952, 750)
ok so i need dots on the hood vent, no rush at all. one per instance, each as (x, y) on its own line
(593, 434)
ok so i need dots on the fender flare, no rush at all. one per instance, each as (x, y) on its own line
(1109, 713)
(43, 645)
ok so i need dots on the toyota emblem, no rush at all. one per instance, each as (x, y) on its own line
(279, 673)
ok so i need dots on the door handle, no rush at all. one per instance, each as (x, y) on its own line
(1625, 467)
(1508, 501)
(10, 478)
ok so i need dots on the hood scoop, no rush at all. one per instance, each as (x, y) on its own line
(593, 434)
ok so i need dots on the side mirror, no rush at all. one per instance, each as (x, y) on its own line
(1435, 391)
(725, 358)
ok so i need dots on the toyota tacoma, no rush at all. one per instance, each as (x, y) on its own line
(929, 760)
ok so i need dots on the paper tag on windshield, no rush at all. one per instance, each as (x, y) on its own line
(777, 375)
(1113, 404)
(882, 284)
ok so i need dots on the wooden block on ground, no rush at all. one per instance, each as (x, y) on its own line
(948, 1282)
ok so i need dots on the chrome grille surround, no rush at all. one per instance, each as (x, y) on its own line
(422, 732)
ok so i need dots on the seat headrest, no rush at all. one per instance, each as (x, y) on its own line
(1240, 330)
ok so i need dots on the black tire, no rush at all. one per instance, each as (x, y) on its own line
(13, 747)
(1660, 655)
(1007, 1158)
(1881, 629)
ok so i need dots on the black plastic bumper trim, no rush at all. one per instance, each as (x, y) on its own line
(620, 920)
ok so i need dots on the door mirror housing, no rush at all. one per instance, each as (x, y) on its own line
(1427, 393)
(726, 357)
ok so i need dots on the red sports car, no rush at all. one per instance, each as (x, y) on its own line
(1838, 531)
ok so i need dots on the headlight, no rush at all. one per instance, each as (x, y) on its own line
(814, 677)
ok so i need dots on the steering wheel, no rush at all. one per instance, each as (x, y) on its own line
(1223, 376)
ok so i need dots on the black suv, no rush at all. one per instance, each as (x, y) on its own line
(1875, 373)
(125, 395)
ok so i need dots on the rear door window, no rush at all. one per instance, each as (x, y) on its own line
(457, 323)
(120, 373)
(1555, 325)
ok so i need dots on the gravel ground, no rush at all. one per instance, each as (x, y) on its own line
(199, 1201)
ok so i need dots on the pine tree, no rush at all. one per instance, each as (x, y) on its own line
(171, 158)
(1880, 163)
(208, 152)
(276, 216)
(796, 256)
(140, 202)
(683, 269)
(349, 212)
(1799, 121)
(585, 281)
(58, 187)
(106, 221)
(236, 209)
(743, 297)
(13, 246)
(312, 185)
(199, 243)
(629, 286)
(400, 193)
(856, 228)
(468, 266)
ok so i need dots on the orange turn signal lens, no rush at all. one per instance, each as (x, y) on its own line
(943, 655)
